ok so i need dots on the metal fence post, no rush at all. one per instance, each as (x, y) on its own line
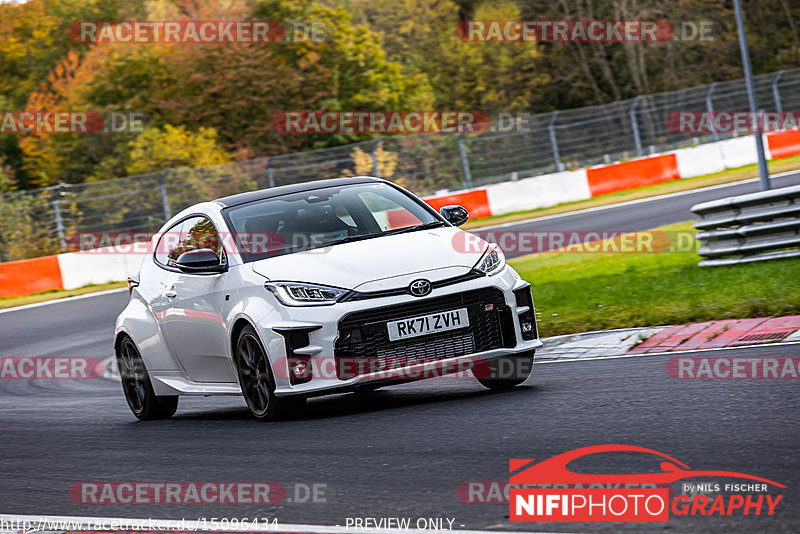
(553, 142)
(776, 93)
(763, 171)
(710, 109)
(376, 172)
(57, 218)
(270, 177)
(464, 162)
(637, 141)
(162, 187)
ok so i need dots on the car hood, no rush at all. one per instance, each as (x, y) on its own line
(380, 263)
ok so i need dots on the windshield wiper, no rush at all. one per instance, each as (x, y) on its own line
(425, 226)
(360, 237)
(348, 239)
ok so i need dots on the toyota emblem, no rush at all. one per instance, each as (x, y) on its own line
(419, 288)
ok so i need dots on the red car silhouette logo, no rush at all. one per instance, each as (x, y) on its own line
(554, 470)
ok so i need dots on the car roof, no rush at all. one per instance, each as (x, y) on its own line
(261, 194)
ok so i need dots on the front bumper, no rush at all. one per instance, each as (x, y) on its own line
(315, 336)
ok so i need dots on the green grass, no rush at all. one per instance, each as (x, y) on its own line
(674, 186)
(580, 292)
(55, 294)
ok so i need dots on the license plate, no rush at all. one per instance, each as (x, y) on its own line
(427, 324)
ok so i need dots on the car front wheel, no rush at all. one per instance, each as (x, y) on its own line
(257, 381)
(505, 372)
(142, 400)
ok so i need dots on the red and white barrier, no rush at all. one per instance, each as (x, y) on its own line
(23, 277)
(537, 192)
(699, 160)
(73, 270)
(783, 144)
(97, 267)
(557, 188)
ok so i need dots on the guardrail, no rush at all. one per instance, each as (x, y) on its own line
(747, 228)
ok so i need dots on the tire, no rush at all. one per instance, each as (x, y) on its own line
(505, 372)
(258, 383)
(138, 389)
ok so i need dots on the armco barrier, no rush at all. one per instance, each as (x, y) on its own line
(755, 227)
(632, 174)
(23, 277)
(784, 144)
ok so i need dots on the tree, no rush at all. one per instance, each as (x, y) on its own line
(164, 148)
(465, 75)
(363, 164)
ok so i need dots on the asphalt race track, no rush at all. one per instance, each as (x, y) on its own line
(399, 452)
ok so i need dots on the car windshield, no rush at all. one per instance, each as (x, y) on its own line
(325, 217)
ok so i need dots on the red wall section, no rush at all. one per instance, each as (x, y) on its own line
(632, 174)
(784, 144)
(476, 202)
(23, 277)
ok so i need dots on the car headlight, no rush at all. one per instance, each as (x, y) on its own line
(299, 294)
(492, 261)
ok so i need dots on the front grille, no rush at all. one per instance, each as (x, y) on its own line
(363, 344)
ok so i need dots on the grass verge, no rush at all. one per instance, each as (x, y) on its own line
(580, 292)
(675, 186)
(13, 302)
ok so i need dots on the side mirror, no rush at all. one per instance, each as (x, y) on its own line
(202, 260)
(455, 214)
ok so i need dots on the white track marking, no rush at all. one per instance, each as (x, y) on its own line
(35, 522)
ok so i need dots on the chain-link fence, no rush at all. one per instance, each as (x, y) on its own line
(38, 222)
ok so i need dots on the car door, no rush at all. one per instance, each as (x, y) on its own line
(192, 320)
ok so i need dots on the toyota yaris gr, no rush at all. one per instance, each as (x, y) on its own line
(325, 287)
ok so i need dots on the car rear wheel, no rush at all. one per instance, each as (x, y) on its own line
(506, 372)
(142, 400)
(258, 382)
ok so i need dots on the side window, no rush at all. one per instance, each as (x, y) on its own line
(191, 234)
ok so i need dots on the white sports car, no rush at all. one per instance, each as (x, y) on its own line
(316, 288)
